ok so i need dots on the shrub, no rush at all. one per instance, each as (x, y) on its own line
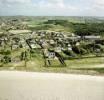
(70, 53)
(5, 52)
(99, 46)
(79, 50)
(6, 59)
(83, 51)
(76, 49)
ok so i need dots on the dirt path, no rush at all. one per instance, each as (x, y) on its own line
(45, 86)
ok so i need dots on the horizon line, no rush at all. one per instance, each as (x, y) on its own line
(49, 16)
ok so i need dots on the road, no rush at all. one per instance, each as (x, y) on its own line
(16, 85)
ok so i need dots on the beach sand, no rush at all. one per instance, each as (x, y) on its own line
(16, 85)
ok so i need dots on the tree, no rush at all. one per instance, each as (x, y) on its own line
(24, 56)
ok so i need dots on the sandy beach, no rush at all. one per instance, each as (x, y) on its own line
(16, 85)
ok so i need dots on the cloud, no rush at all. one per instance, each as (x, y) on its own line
(14, 1)
(94, 8)
(55, 7)
(58, 5)
(52, 7)
(54, 1)
(15, 7)
(99, 4)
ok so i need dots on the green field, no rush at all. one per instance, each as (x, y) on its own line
(92, 66)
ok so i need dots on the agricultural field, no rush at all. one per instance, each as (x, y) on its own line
(52, 44)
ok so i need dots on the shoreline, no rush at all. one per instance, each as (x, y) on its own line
(49, 75)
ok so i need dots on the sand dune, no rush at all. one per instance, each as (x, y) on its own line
(45, 86)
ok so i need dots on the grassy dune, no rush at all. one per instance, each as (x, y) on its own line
(93, 66)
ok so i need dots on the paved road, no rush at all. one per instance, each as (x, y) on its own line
(45, 86)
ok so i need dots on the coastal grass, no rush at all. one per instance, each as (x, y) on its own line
(93, 66)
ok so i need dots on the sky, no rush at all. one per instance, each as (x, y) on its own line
(52, 7)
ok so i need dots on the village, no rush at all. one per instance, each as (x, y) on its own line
(45, 48)
(51, 49)
(51, 45)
